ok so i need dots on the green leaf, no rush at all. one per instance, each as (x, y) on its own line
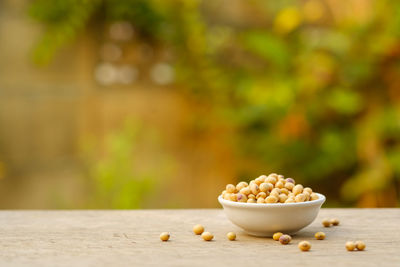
(267, 46)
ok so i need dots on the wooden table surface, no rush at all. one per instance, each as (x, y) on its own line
(131, 238)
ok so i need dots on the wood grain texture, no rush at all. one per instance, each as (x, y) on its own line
(131, 238)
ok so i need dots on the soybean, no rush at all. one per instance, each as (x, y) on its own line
(304, 246)
(326, 222)
(320, 235)
(231, 236)
(276, 236)
(164, 236)
(207, 236)
(198, 229)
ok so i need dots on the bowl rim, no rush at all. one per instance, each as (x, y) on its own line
(321, 199)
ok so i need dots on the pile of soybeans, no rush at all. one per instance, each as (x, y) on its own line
(269, 189)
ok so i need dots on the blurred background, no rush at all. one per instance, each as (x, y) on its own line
(160, 104)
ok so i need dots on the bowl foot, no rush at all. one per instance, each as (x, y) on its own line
(268, 234)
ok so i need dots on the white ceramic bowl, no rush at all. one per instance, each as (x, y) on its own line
(267, 219)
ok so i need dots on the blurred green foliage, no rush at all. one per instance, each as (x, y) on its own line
(311, 88)
(118, 178)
